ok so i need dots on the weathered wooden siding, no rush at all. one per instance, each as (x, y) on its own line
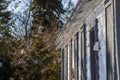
(85, 17)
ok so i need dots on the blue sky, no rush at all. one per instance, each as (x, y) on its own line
(65, 2)
(18, 6)
(74, 1)
(21, 5)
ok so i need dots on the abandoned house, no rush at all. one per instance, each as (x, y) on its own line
(90, 41)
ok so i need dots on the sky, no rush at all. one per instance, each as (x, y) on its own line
(21, 5)
(74, 1)
(18, 6)
(65, 2)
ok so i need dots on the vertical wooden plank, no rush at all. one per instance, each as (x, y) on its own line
(76, 57)
(82, 55)
(66, 62)
(62, 64)
(73, 61)
(83, 52)
(109, 43)
(70, 61)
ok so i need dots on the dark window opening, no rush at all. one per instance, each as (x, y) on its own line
(93, 57)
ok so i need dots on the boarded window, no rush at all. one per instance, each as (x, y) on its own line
(93, 57)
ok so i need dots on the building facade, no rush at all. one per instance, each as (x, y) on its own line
(90, 41)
